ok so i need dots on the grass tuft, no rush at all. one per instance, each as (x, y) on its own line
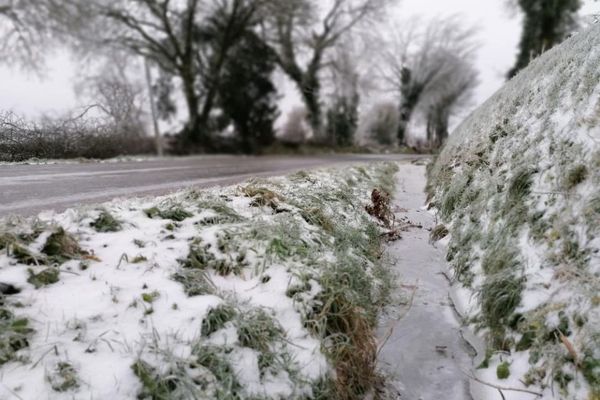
(257, 330)
(201, 257)
(195, 282)
(174, 213)
(438, 233)
(14, 335)
(316, 216)
(138, 259)
(500, 295)
(217, 318)
(575, 176)
(452, 197)
(348, 332)
(150, 297)
(63, 378)
(224, 214)
(154, 386)
(590, 367)
(46, 277)
(262, 197)
(499, 258)
(503, 370)
(25, 256)
(106, 223)
(61, 247)
(520, 186)
(7, 240)
(214, 360)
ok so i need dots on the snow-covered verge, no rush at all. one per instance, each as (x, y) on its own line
(45, 161)
(518, 186)
(268, 290)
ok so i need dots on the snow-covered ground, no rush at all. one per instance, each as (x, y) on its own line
(44, 161)
(518, 185)
(227, 293)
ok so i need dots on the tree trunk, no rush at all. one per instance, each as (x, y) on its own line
(207, 106)
(441, 133)
(315, 118)
(193, 130)
(310, 90)
(248, 142)
(430, 128)
(406, 111)
(437, 127)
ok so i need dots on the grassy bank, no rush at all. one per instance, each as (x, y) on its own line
(263, 291)
(518, 188)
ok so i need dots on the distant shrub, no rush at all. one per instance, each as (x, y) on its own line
(296, 129)
(63, 139)
(380, 124)
(342, 120)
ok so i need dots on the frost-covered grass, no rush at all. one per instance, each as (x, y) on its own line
(268, 290)
(518, 185)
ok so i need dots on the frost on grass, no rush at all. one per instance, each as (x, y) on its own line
(518, 188)
(265, 290)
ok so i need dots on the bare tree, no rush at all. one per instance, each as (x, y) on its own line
(452, 91)
(344, 80)
(112, 88)
(30, 28)
(418, 58)
(303, 32)
(175, 36)
(24, 26)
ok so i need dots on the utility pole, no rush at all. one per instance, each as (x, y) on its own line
(157, 138)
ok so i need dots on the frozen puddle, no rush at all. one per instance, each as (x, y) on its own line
(425, 357)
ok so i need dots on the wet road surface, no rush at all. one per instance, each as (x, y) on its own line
(29, 189)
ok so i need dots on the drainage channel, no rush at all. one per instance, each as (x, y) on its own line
(424, 356)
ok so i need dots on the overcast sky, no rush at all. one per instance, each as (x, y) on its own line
(499, 31)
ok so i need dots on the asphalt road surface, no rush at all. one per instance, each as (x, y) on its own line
(29, 189)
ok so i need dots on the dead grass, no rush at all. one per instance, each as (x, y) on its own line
(61, 246)
(351, 343)
(380, 208)
(438, 233)
(262, 197)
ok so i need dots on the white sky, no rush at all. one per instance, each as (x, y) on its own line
(499, 32)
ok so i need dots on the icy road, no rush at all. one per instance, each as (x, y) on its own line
(29, 189)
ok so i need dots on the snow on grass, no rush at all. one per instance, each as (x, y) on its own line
(518, 187)
(266, 290)
(114, 160)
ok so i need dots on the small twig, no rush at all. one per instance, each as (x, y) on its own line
(12, 392)
(570, 348)
(445, 275)
(66, 271)
(123, 257)
(44, 355)
(501, 394)
(509, 389)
